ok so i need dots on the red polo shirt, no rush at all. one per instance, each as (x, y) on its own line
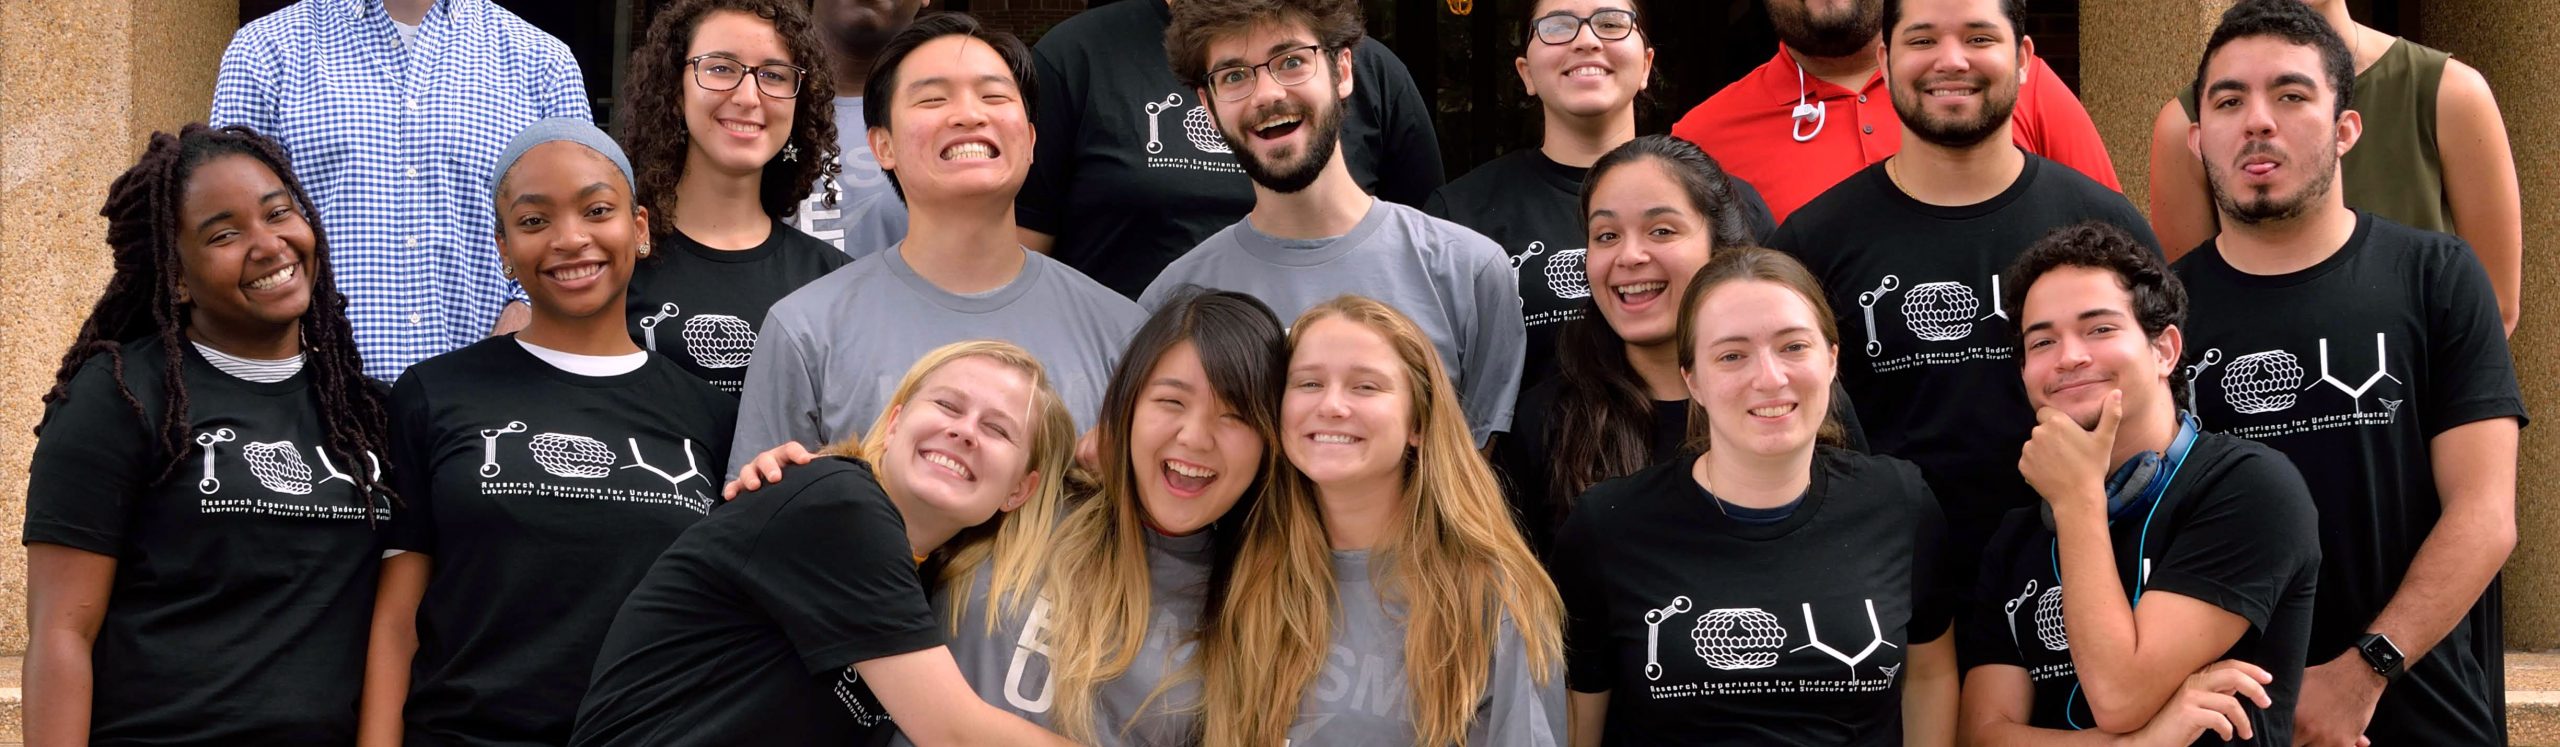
(1750, 129)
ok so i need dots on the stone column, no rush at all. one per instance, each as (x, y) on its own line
(2135, 55)
(113, 71)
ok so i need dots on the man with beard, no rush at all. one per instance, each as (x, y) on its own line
(2406, 430)
(1277, 74)
(1773, 128)
(1911, 250)
(866, 216)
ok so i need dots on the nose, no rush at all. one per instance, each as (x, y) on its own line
(1949, 58)
(964, 431)
(1585, 37)
(2073, 355)
(2257, 118)
(1192, 431)
(1770, 374)
(1332, 404)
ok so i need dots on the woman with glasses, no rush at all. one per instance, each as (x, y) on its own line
(1586, 61)
(731, 120)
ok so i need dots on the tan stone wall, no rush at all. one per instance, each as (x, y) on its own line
(115, 71)
(2134, 56)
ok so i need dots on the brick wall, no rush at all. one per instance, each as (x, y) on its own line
(2055, 26)
(1024, 18)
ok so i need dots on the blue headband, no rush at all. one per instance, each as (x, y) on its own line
(554, 129)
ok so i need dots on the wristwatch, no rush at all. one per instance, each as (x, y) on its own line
(2381, 654)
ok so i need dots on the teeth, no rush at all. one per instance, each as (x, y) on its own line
(946, 462)
(1950, 92)
(971, 151)
(1332, 438)
(273, 279)
(742, 127)
(1185, 470)
(1773, 411)
(1586, 71)
(1637, 289)
(580, 272)
(1289, 119)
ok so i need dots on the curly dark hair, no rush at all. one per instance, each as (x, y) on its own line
(2293, 22)
(1197, 23)
(2159, 300)
(141, 300)
(652, 129)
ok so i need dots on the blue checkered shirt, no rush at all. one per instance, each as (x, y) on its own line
(395, 141)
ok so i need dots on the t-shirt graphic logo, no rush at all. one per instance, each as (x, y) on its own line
(571, 455)
(1196, 127)
(1739, 638)
(1564, 272)
(2355, 394)
(1025, 646)
(1813, 638)
(692, 469)
(2260, 382)
(1653, 620)
(489, 447)
(210, 484)
(2049, 629)
(278, 466)
(2011, 609)
(1867, 304)
(2211, 356)
(649, 325)
(719, 340)
(858, 700)
(1941, 311)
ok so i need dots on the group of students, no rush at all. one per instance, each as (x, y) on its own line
(1286, 497)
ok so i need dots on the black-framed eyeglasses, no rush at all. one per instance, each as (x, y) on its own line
(720, 72)
(1288, 68)
(1561, 27)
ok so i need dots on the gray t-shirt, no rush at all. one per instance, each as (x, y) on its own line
(831, 353)
(1010, 670)
(1455, 283)
(1360, 699)
(868, 215)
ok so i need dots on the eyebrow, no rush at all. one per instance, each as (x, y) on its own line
(1276, 49)
(2095, 313)
(944, 81)
(736, 56)
(226, 215)
(1171, 382)
(1747, 338)
(1927, 26)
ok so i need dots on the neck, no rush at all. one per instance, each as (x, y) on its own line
(272, 344)
(964, 248)
(1659, 366)
(1581, 141)
(1939, 175)
(2280, 247)
(1358, 517)
(2150, 431)
(1331, 206)
(926, 532)
(2365, 43)
(1849, 72)
(852, 73)
(720, 210)
(412, 12)
(1753, 480)
(601, 333)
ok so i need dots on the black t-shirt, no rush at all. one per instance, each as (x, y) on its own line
(1925, 344)
(1532, 206)
(540, 497)
(746, 630)
(2351, 367)
(2234, 529)
(1707, 630)
(702, 307)
(1130, 170)
(244, 580)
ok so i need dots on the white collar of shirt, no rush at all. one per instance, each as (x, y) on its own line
(588, 365)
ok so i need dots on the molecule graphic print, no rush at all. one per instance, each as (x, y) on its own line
(719, 341)
(1941, 311)
(1653, 620)
(2049, 620)
(1743, 638)
(1564, 273)
(210, 484)
(568, 455)
(278, 466)
(1203, 135)
(2262, 382)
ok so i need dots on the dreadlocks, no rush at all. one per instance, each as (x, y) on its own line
(141, 300)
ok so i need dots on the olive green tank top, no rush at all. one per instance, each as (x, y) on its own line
(2395, 170)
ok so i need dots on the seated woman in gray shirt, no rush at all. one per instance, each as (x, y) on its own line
(1451, 634)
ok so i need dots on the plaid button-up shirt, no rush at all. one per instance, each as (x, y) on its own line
(395, 140)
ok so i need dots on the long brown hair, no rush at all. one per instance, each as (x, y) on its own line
(1755, 264)
(652, 129)
(1455, 564)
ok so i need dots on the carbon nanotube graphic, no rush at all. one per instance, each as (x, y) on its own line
(278, 466)
(1565, 276)
(566, 455)
(1203, 135)
(1941, 312)
(720, 341)
(1739, 638)
(2262, 382)
(2049, 620)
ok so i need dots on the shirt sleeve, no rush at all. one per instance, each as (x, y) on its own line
(413, 521)
(2062, 131)
(2252, 533)
(1409, 166)
(1986, 631)
(1587, 651)
(90, 465)
(2466, 347)
(832, 571)
(1495, 354)
(1521, 706)
(1934, 588)
(1056, 116)
(243, 92)
(563, 90)
(779, 401)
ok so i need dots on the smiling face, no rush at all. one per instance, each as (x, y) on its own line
(739, 130)
(2268, 130)
(1588, 76)
(1283, 136)
(568, 230)
(1954, 67)
(1347, 417)
(960, 448)
(1763, 370)
(1193, 453)
(2083, 340)
(957, 125)
(244, 250)
(1647, 240)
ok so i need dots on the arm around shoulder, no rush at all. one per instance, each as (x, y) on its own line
(926, 695)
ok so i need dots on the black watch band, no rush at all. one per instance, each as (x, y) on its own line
(2382, 655)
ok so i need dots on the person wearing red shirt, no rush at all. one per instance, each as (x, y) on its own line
(1772, 128)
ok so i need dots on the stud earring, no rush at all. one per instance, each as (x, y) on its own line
(507, 271)
(644, 248)
(791, 151)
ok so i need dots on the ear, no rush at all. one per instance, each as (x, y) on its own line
(2350, 130)
(2026, 54)
(2195, 136)
(1022, 493)
(878, 136)
(2171, 345)
(1342, 85)
(1644, 79)
(181, 294)
(1521, 65)
(640, 219)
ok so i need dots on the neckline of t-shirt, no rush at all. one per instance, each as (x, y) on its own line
(1816, 493)
(1269, 248)
(772, 244)
(1882, 180)
(195, 362)
(967, 303)
(1188, 545)
(1567, 179)
(2345, 253)
(527, 358)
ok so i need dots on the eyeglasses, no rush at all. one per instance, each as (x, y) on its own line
(1289, 68)
(1561, 27)
(720, 72)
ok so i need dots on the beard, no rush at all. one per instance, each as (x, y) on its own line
(1998, 102)
(2262, 206)
(1283, 173)
(1832, 35)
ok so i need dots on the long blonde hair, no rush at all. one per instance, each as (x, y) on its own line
(1014, 541)
(1455, 564)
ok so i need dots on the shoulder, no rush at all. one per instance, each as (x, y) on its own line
(829, 292)
(1891, 480)
(1469, 249)
(273, 30)
(1839, 206)
(802, 247)
(1469, 192)
(1209, 252)
(469, 360)
(523, 38)
(141, 364)
(1080, 290)
(2057, 180)
(1611, 501)
(1373, 60)
(2421, 250)
(1096, 30)
(673, 381)
(1731, 100)
(2245, 470)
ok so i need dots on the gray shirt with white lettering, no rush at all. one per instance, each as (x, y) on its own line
(1360, 699)
(868, 215)
(1455, 283)
(831, 353)
(1010, 669)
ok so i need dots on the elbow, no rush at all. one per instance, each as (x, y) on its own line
(2113, 708)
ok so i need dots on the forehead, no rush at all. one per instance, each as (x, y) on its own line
(738, 33)
(1260, 40)
(1334, 340)
(1580, 7)
(984, 379)
(2068, 290)
(1646, 182)
(561, 162)
(2254, 60)
(1749, 306)
(228, 176)
(954, 57)
(1948, 15)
